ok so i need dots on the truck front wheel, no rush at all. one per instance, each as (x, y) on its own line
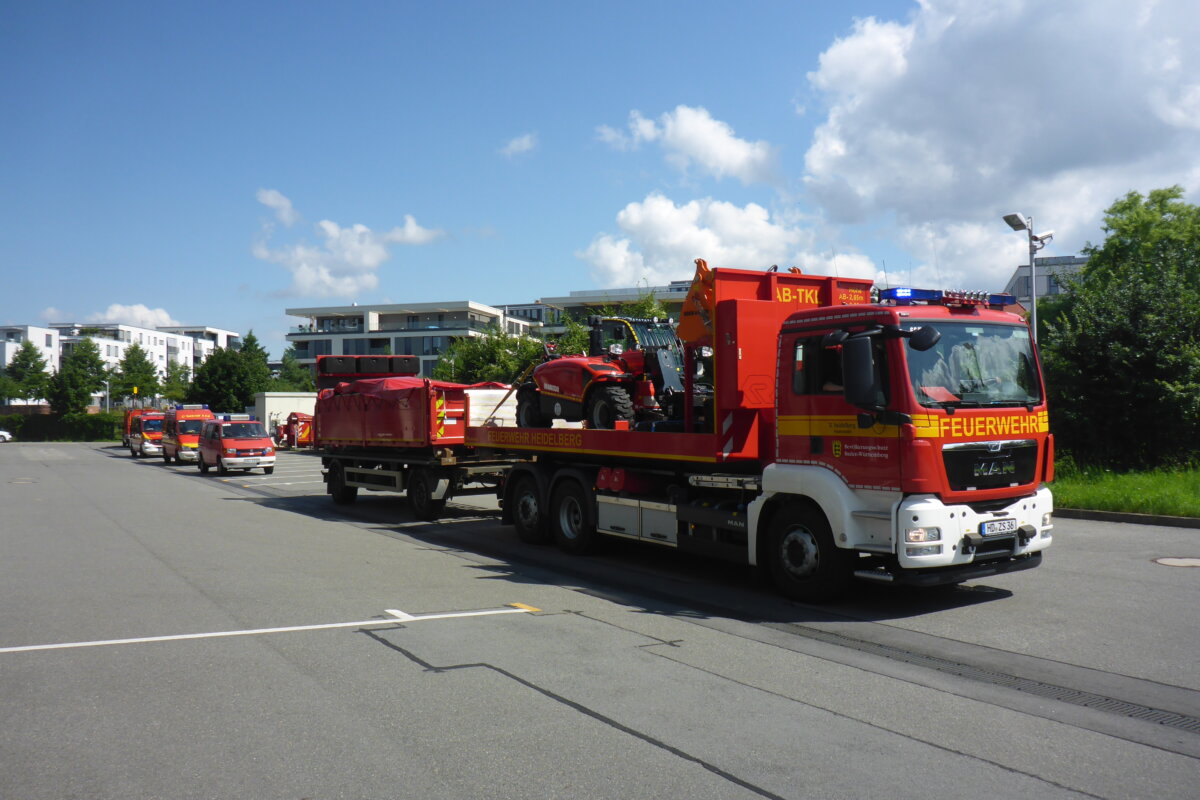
(801, 557)
(606, 405)
(572, 524)
(528, 514)
(421, 483)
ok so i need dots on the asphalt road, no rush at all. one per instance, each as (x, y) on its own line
(169, 635)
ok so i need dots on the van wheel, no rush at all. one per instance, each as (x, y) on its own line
(202, 465)
(801, 557)
(132, 451)
(221, 468)
(570, 519)
(606, 405)
(421, 485)
(529, 517)
(342, 494)
(268, 470)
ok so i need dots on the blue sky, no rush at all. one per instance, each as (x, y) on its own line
(215, 163)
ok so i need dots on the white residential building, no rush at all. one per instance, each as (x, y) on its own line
(46, 340)
(418, 329)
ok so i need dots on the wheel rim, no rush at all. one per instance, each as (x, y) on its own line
(799, 553)
(570, 517)
(527, 509)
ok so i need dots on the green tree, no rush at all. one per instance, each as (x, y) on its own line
(223, 381)
(258, 369)
(1123, 357)
(177, 382)
(494, 356)
(28, 372)
(9, 389)
(293, 376)
(80, 376)
(135, 370)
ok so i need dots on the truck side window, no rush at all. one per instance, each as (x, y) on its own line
(816, 369)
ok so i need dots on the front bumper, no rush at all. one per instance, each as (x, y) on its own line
(150, 448)
(248, 462)
(962, 541)
(187, 454)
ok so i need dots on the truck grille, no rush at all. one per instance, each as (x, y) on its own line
(990, 465)
(254, 451)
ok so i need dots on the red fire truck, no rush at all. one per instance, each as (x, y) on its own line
(833, 436)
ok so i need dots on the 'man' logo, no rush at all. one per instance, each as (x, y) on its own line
(991, 469)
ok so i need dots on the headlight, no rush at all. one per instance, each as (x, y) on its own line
(270, 451)
(930, 550)
(230, 451)
(1047, 520)
(923, 535)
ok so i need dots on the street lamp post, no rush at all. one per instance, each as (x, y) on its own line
(1019, 222)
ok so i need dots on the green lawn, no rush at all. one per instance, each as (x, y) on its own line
(1174, 493)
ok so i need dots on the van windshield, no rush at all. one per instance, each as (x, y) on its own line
(243, 430)
(190, 426)
(152, 425)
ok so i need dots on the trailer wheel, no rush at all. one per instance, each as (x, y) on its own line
(528, 514)
(572, 525)
(606, 405)
(529, 411)
(342, 494)
(421, 483)
(802, 559)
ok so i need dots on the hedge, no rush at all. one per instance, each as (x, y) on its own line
(102, 427)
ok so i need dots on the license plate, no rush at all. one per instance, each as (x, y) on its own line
(998, 526)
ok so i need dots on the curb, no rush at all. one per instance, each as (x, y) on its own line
(1127, 517)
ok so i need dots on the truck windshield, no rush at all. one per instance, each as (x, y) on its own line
(976, 365)
(152, 425)
(190, 426)
(243, 430)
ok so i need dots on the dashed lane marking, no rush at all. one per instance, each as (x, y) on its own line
(396, 615)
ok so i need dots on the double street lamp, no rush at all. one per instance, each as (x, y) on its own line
(1020, 222)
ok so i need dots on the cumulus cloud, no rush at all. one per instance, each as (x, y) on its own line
(137, 314)
(691, 137)
(660, 240)
(274, 200)
(521, 144)
(967, 111)
(52, 314)
(346, 260)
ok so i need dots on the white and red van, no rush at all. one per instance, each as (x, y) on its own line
(181, 432)
(145, 434)
(235, 441)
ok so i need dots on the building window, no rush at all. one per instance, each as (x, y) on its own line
(49, 340)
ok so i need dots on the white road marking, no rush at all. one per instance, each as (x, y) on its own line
(399, 616)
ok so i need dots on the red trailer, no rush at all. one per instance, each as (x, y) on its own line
(407, 434)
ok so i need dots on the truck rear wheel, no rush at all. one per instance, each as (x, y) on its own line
(342, 494)
(606, 405)
(801, 557)
(571, 519)
(528, 514)
(529, 411)
(421, 484)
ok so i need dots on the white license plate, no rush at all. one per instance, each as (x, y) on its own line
(998, 526)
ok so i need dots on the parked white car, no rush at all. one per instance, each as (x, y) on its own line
(5, 436)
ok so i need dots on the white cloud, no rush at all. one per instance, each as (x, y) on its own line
(347, 259)
(274, 200)
(137, 314)
(690, 136)
(966, 111)
(660, 241)
(52, 314)
(521, 144)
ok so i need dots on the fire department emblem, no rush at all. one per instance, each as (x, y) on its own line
(837, 449)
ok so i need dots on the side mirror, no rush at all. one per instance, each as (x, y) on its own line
(859, 375)
(924, 338)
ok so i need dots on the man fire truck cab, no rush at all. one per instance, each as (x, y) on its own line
(181, 432)
(899, 440)
(145, 434)
(235, 441)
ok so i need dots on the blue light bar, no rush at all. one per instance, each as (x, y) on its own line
(906, 296)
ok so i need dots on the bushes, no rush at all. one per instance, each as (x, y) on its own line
(77, 427)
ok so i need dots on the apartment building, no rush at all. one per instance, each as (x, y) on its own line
(46, 340)
(418, 329)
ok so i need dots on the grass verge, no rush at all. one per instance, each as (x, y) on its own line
(1169, 492)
